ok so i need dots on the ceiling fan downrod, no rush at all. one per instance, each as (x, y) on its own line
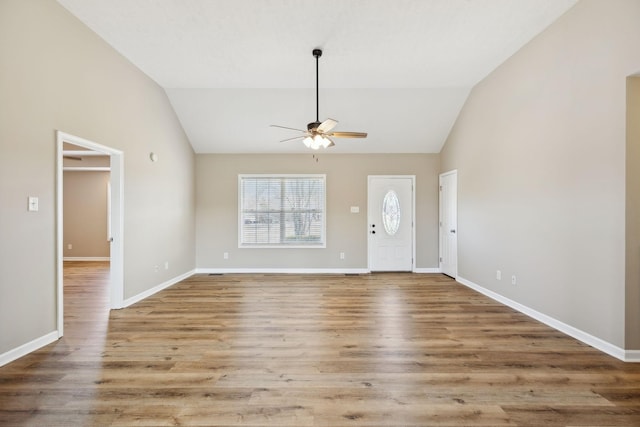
(317, 53)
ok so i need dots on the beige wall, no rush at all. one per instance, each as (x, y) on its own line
(217, 208)
(540, 153)
(632, 231)
(85, 214)
(58, 75)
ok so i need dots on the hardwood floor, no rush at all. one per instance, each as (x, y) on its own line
(317, 350)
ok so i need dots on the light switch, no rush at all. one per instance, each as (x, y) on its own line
(355, 209)
(33, 204)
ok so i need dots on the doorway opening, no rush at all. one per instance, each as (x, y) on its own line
(73, 148)
(632, 215)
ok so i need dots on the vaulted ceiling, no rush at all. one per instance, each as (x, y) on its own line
(400, 70)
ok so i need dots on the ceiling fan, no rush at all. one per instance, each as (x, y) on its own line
(318, 133)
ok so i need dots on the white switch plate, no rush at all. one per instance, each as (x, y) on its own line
(355, 209)
(33, 204)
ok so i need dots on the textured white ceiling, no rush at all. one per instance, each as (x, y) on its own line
(398, 69)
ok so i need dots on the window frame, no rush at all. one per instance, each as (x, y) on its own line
(297, 245)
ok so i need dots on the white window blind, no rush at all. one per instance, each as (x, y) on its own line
(282, 210)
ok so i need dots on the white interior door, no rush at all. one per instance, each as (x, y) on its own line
(390, 215)
(449, 223)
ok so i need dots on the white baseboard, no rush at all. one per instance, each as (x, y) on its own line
(27, 348)
(86, 258)
(600, 344)
(632, 356)
(427, 270)
(282, 271)
(299, 270)
(136, 298)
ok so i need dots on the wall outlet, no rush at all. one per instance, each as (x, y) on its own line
(225, 255)
(498, 275)
(69, 246)
(341, 255)
(513, 280)
(166, 265)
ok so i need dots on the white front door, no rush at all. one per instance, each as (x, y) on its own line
(449, 223)
(390, 214)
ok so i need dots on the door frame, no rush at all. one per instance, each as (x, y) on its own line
(441, 234)
(413, 217)
(116, 180)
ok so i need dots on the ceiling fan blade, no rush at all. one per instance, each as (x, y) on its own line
(348, 134)
(294, 138)
(284, 127)
(331, 143)
(327, 125)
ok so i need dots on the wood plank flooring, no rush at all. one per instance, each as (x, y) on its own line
(312, 350)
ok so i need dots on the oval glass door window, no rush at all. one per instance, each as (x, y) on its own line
(391, 213)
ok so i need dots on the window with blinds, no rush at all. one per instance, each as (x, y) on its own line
(282, 211)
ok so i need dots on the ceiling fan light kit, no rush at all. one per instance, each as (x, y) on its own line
(318, 133)
(317, 142)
